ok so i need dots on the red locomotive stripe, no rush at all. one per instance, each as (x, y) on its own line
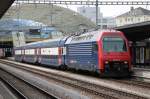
(100, 61)
(129, 55)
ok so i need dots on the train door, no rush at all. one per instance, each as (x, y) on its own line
(36, 55)
(64, 55)
(95, 57)
(39, 55)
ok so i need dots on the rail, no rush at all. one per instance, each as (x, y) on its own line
(22, 88)
(88, 87)
(15, 92)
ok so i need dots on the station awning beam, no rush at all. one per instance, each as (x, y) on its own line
(4, 5)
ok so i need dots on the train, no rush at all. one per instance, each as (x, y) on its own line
(104, 52)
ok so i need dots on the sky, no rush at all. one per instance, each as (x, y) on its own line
(112, 10)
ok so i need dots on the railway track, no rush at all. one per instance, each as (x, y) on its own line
(88, 87)
(22, 89)
(134, 81)
(9, 90)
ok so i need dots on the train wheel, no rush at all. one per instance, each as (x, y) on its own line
(63, 67)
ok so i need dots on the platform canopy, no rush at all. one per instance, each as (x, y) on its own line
(4, 5)
(136, 32)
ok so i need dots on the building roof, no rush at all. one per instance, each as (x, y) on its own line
(136, 12)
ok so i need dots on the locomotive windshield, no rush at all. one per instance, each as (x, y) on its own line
(114, 44)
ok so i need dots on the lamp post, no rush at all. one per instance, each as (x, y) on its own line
(96, 13)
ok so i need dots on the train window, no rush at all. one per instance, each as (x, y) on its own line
(114, 44)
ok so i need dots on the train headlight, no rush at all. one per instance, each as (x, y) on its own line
(106, 62)
(125, 62)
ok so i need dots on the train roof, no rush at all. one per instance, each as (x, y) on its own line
(92, 36)
(45, 43)
(89, 36)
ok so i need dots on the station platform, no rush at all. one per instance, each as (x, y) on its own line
(10, 58)
(140, 71)
(143, 73)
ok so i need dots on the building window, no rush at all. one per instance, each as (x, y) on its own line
(146, 19)
(83, 11)
(139, 19)
(128, 19)
(131, 19)
(120, 20)
(125, 19)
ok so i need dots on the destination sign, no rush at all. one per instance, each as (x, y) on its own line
(113, 39)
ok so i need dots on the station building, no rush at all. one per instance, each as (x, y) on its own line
(140, 49)
(103, 22)
(135, 15)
